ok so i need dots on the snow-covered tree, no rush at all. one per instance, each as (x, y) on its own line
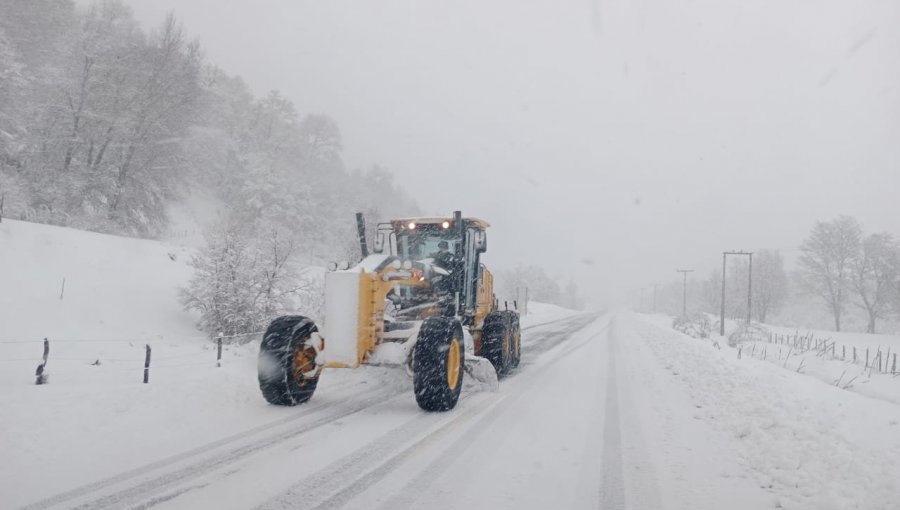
(243, 278)
(103, 124)
(875, 271)
(826, 263)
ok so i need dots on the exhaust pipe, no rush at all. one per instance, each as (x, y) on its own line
(361, 232)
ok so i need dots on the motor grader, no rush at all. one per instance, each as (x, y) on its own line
(422, 299)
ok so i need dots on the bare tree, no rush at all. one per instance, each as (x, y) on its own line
(770, 283)
(875, 272)
(827, 262)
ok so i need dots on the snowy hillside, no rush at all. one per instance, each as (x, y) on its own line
(69, 284)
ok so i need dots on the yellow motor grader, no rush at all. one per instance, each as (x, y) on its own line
(422, 299)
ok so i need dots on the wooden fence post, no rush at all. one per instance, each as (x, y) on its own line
(843, 353)
(219, 354)
(147, 366)
(894, 365)
(867, 357)
(40, 376)
(854, 354)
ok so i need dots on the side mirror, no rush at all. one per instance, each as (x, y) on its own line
(480, 241)
(378, 243)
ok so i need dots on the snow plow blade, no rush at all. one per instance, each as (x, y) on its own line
(482, 371)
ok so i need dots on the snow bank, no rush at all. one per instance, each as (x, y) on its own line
(832, 363)
(815, 445)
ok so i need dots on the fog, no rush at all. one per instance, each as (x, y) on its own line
(611, 141)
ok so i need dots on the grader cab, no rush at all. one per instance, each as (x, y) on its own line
(422, 299)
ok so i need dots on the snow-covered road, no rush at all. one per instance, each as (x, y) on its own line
(599, 415)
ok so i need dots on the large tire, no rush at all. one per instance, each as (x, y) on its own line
(516, 339)
(438, 364)
(286, 359)
(496, 341)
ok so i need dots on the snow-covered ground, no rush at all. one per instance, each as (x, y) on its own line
(813, 444)
(611, 410)
(825, 355)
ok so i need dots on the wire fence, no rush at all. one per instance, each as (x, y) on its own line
(143, 363)
(746, 337)
(239, 339)
(874, 360)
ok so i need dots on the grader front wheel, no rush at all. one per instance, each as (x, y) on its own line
(287, 362)
(438, 364)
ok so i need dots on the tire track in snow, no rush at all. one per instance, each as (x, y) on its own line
(142, 488)
(639, 473)
(612, 486)
(406, 497)
(338, 483)
(550, 339)
(328, 487)
(169, 484)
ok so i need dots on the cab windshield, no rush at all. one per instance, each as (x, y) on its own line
(423, 242)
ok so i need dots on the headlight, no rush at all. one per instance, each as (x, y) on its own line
(446, 225)
(344, 265)
(412, 225)
(407, 264)
(332, 266)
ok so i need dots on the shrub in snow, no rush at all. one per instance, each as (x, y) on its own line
(696, 325)
(751, 332)
(242, 280)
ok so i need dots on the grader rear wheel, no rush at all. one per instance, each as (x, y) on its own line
(496, 341)
(438, 364)
(287, 361)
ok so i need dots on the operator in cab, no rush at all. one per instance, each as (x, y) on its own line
(443, 258)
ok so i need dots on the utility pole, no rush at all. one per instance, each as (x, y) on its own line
(655, 285)
(684, 290)
(722, 316)
(749, 288)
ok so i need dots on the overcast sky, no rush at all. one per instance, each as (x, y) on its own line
(641, 136)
